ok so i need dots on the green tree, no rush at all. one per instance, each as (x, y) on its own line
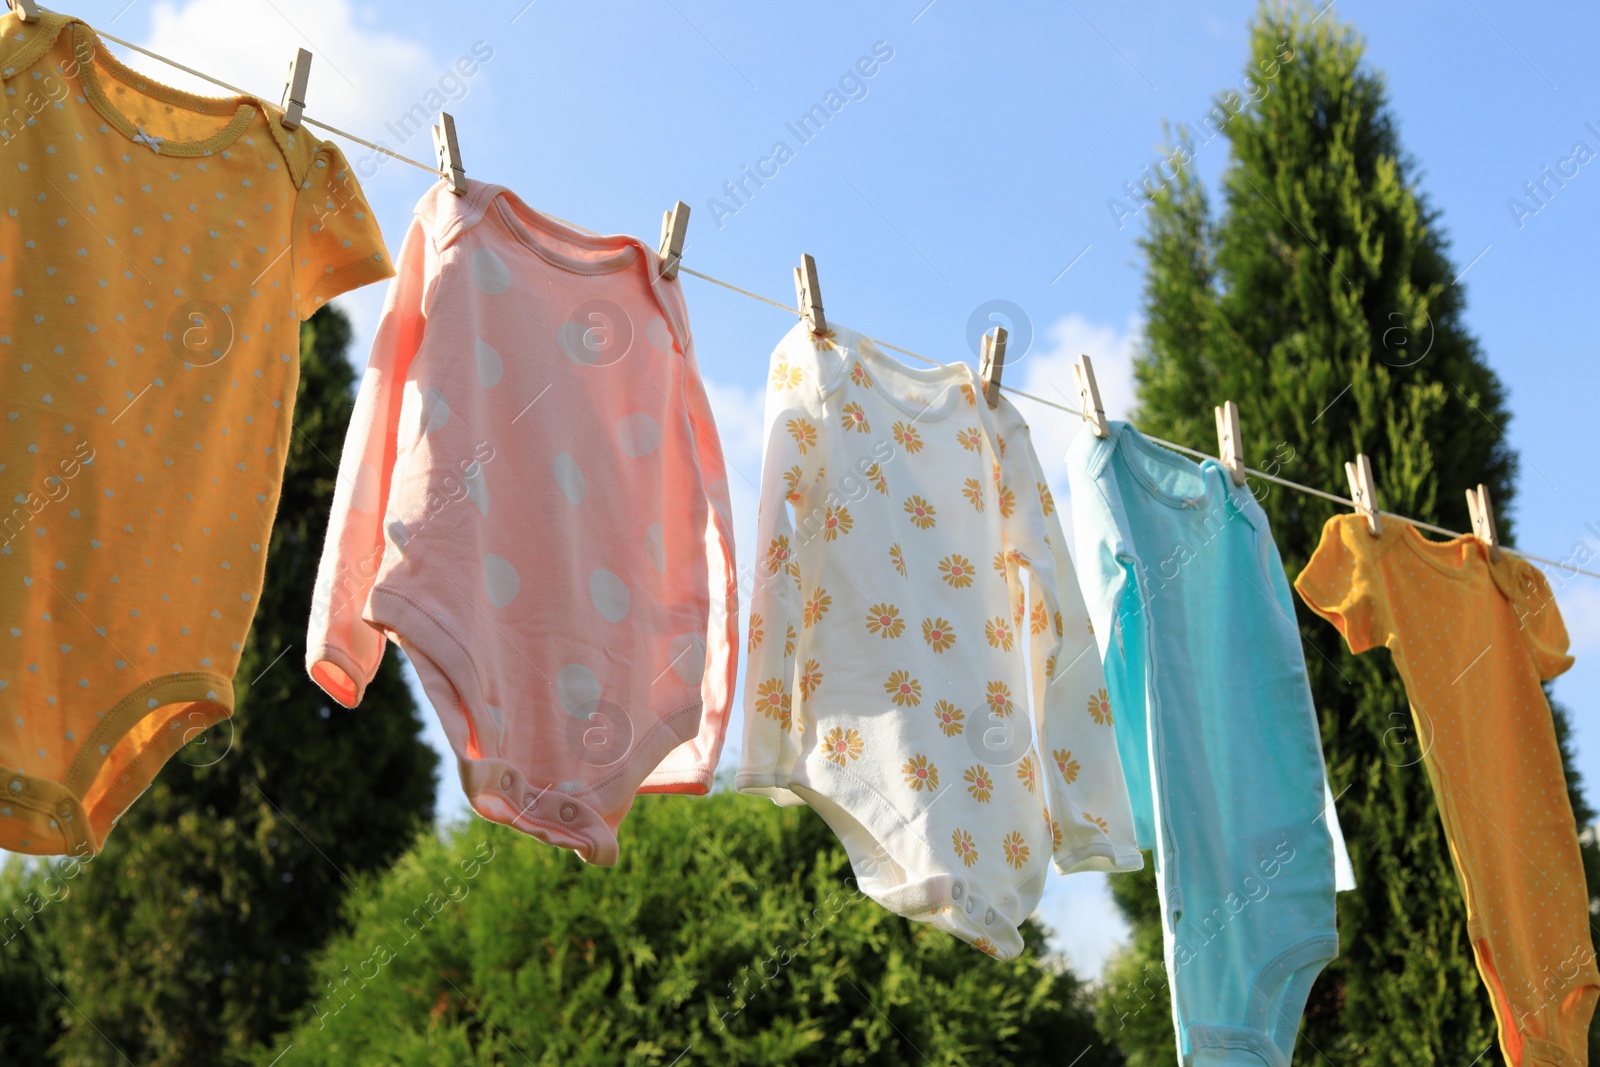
(1321, 298)
(730, 932)
(29, 1020)
(186, 941)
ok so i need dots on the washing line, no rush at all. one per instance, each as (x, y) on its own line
(433, 169)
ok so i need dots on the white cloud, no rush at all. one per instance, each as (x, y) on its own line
(1085, 925)
(362, 79)
(1046, 371)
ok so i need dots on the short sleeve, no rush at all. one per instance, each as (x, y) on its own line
(337, 244)
(1539, 619)
(1341, 583)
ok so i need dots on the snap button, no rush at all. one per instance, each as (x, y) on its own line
(505, 780)
(1255, 1044)
(529, 800)
(16, 785)
(955, 891)
(988, 917)
(569, 811)
(971, 906)
(64, 809)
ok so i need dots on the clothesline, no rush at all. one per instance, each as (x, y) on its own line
(434, 170)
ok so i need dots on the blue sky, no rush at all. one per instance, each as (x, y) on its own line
(974, 166)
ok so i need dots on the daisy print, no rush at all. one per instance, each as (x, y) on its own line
(804, 434)
(983, 944)
(791, 485)
(999, 633)
(970, 439)
(1100, 708)
(921, 513)
(836, 522)
(1027, 772)
(810, 678)
(788, 640)
(777, 554)
(1008, 502)
(938, 634)
(961, 841)
(1038, 618)
(816, 607)
(884, 620)
(967, 391)
(998, 697)
(898, 558)
(956, 570)
(854, 418)
(1095, 820)
(1046, 501)
(841, 745)
(949, 717)
(773, 700)
(1055, 833)
(903, 689)
(920, 774)
(979, 783)
(1015, 852)
(859, 375)
(1066, 765)
(756, 632)
(907, 437)
(876, 477)
(973, 491)
(785, 376)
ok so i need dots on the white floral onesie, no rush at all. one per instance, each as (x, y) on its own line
(895, 648)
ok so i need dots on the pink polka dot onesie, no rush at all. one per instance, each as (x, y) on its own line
(532, 504)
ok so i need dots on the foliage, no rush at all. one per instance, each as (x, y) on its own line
(729, 932)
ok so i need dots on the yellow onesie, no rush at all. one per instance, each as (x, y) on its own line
(1472, 639)
(157, 253)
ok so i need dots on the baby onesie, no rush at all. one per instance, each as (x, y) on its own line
(1472, 640)
(158, 252)
(913, 601)
(1216, 726)
(532, 504)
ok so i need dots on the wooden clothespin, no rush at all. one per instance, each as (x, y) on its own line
(1482, 513)
(1089, 398)
(1228, 448)
(992, 363)
(26, 10)
(674, 228)
(294, 89)
(448, 151)
(1363, 490)
(809, 295)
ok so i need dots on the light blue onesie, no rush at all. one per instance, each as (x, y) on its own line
(1218, 739)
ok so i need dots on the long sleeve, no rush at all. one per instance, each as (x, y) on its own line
(342, 649)
(691, 766)
(1087, 793)
(773, 686)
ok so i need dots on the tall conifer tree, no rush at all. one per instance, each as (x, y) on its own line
(1322, 299)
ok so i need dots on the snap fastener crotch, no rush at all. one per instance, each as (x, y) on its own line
(505, 780)
(569, 811)
(988, 917)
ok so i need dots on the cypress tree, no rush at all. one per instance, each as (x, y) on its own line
(186, 941)
(1323, 300)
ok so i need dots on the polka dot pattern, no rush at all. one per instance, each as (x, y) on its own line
(162, 250)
